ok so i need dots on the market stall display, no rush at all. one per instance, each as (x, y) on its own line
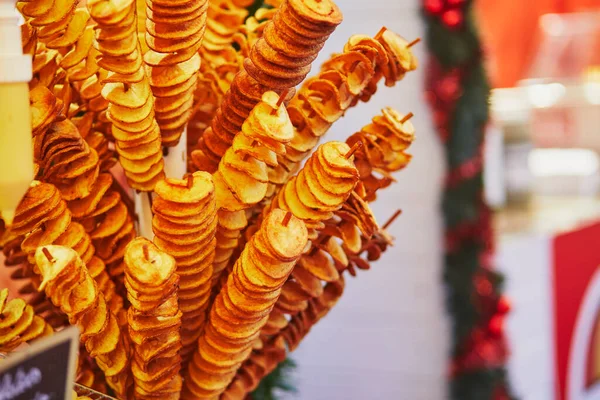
(251, 247)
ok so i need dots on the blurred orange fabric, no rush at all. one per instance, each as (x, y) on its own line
(510, 32)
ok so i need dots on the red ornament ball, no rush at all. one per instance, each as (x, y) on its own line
(503, 306)
(434, 7)
(496, 325)
(455, 3)
(483, 286)
(453, 18)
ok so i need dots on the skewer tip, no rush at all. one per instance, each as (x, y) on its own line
(281, 99)
(286, 219)
(380, 33)
(391, 220)
(190, 181)
(407, 117)
(411, 44)
(356, 146)
(48, 254)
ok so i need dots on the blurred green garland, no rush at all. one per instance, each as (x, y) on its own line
(458, 92)
(278, 381)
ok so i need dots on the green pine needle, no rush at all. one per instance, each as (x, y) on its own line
(280, 380)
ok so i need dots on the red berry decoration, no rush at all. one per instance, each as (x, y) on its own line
(504, 305)
(453, 18)
(496, 325)
(434, 7)
(455, 3)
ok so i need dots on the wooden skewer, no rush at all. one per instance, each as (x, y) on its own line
(190, 181)
(286, 219)
(149, 198)
(146, 252)
(48, 254)
(356, 146)
(354, 66)
(380, 33)
(391, 220)
(406, 117)
(281, 99)
(411, 44)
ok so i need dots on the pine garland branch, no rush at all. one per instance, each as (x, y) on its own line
(280, 380)
(458, 92)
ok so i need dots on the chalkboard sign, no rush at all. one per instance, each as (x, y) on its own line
(43, 371)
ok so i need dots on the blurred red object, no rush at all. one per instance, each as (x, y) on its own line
(510, 30)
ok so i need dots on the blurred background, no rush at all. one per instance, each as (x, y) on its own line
(543, 180)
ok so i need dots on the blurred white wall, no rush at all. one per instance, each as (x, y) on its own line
(387, 337)
(526, 261)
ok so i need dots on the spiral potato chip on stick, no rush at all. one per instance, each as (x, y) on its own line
(278, 61)
(220, 63)
(303, 296)
(47, 109)
(385, 140)
(63, 28)
(343, 80)
(241, 181)
(185, 222)
(16, 257)
(68, 284)
(127, 89)
(154, 320)
(321, 187)
(243, 305)
(19, 323)
(343, 237)
(45, 219)
(323, 263)
(174, 32)
(68, 162)
(264, 361)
